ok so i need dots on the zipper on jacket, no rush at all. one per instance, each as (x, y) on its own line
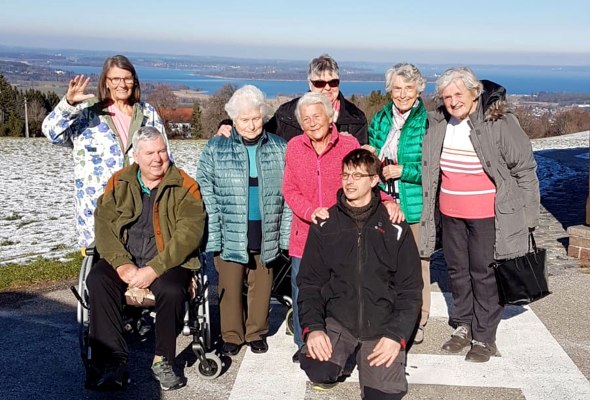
(359, 285)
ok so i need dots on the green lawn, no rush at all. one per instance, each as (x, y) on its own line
(39, 271)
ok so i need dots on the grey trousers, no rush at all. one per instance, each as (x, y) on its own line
(376, 382)
(468, 246)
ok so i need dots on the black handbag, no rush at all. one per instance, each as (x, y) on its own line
(522, 280)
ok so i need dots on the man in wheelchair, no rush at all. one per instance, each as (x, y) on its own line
(149, 224)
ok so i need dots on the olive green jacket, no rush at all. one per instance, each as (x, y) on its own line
(179, 219)
(409, 154)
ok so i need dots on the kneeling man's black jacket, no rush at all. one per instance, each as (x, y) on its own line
(368, 279)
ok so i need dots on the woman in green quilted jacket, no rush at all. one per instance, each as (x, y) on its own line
(396, 134)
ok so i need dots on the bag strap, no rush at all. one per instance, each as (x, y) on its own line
(532, 242)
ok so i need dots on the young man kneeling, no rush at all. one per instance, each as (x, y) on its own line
(359, 287)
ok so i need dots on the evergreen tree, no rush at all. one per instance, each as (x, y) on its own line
(196, 124)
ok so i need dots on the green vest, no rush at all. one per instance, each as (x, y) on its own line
(409, 154)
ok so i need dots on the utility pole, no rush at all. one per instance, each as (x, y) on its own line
(26, 120)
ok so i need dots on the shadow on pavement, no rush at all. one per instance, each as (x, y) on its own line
(563, 176)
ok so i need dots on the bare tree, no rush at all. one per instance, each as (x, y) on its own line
(163, 99)
(213, 110)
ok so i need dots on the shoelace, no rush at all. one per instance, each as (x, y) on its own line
(478, 343)
(461, 332)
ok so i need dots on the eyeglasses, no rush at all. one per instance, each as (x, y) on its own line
(320, 84)
(355, 176)
(116, 81)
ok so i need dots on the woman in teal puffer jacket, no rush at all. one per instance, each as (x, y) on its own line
(241, 178)
(396, 133)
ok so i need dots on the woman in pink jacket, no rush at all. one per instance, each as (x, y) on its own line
(313, 167)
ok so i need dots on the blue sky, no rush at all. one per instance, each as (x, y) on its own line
(449, 31)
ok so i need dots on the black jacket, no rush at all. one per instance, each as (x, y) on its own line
(369, 280)
(350, 119)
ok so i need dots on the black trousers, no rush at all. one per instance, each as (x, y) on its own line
(107, 298)
(468, 246)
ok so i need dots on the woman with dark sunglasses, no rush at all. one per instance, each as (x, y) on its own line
(323, 76)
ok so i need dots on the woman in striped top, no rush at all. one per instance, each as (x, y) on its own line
(479, 172)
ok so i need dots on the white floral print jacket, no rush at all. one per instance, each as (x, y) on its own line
(97, 150)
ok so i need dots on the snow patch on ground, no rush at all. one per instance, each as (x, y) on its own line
(36, 191)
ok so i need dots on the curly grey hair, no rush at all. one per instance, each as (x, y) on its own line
(465, 74)
(244, 99)
(408, 72)
(313, 98)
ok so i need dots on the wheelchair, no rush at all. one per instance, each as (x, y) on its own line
(197, 320)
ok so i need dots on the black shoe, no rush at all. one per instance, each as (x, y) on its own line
(258, 346)
(114, 377)
(295, 357)
(230, 349)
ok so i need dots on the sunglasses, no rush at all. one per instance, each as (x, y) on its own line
(319, 84)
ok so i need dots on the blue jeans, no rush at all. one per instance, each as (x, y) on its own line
(295, 263)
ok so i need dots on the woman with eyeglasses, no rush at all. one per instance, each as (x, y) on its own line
(99, 128)
(396, 133)
(313, 166)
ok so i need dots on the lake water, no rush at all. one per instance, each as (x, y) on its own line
(516, 79)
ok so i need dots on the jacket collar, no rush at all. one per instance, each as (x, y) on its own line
(235, 136)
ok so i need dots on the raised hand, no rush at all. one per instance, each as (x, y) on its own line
(76, 90)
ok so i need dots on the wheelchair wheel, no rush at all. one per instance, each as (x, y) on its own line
(210, 367)
(290, 322)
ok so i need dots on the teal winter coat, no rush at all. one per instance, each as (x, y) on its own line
(409, 154)
(223, 176)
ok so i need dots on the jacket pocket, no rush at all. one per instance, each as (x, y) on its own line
(510, 206)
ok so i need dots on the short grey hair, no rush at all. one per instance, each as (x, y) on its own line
(321, 64)
(244, 99)
(147, 133)
(313, 98)
(408, 72)
(465, 74)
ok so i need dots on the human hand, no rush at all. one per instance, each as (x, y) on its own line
(143, 278)
(396, 215)
(76, 90)
(320, 212)
(126, 272)
(393, 171)
(384, 352)
(369, 147)
(319, 346)
(224, 130)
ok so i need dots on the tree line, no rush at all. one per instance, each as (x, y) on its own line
(207, 114)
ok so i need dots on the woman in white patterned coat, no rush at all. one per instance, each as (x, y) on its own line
(99, 128)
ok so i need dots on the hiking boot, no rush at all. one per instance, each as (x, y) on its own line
(419, 338)
(481, 352)
(323, 386)
(460, 339)
(163, 373)
(114, 377)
